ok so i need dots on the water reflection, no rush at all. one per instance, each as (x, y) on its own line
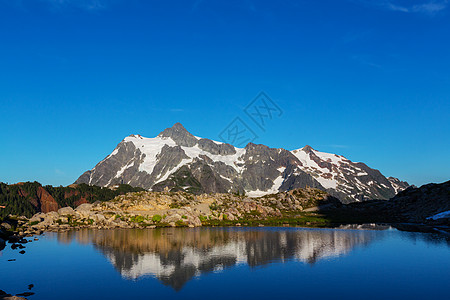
(176, 255)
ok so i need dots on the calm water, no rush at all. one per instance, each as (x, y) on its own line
(231, 263)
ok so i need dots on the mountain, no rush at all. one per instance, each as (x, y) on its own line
(178, 160)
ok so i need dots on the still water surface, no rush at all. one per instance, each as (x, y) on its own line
(231, 263)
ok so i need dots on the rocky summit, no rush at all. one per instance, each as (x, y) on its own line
(176, 160)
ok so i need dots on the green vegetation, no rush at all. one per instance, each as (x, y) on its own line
(302, 219)
(156, 218)
(180, 223)
(137, 219)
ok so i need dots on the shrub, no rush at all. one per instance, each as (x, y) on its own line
(156, 218)
(180, 223)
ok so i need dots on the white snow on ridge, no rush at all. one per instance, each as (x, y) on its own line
(151, 147)
(309, 165)
(229, 160)
(327, 183)
(120, 172)
(333, 158)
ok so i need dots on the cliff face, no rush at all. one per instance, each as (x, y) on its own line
(45, 201)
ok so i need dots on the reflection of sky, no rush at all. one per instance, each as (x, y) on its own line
(399, 265)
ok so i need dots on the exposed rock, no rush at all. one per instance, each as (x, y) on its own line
(6, 225)
(37, 217)
(180, 135)
(66, 211)
(152, 209)
(47, 202)
(215, 148)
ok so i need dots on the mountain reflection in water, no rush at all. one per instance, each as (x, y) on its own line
(176, 255)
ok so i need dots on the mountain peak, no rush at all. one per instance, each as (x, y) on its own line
(179, 135)
(307, 149)
(178, 126)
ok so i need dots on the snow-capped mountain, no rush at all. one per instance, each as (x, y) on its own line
(178, 160)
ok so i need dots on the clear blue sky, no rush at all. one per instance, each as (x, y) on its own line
(364, 80)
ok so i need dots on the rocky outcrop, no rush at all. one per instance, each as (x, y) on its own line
(162, 209)
(419, 204)
(413, 205)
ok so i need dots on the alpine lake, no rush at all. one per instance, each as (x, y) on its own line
(230, 263)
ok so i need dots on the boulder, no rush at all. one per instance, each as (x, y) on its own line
(194, 221)
(39, 217)
(66, 211)
(84, 208)
(99, 218)
(172, 218)
(51, 216)
(6, 225)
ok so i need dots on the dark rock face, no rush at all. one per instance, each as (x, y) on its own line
(302, 180)
(420, 203)
(216, 149)
(218, 167)
(413, 205)
(180, 135)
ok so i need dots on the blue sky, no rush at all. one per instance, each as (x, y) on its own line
(369, 80)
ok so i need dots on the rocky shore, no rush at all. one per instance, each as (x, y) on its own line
(180, 209)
